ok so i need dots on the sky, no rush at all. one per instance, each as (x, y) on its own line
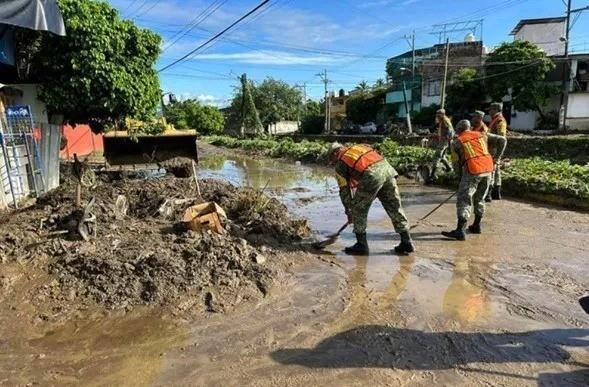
(294, 40)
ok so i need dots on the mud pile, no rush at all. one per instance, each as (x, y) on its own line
(146, 258)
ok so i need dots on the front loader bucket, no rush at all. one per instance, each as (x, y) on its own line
(120, 149)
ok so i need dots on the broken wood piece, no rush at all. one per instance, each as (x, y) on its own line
(205, 216)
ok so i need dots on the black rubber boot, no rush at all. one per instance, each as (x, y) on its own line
(459, 233)
(361, 246)
(489, 197)
(496, 192)
(475, 228)
(406, 245)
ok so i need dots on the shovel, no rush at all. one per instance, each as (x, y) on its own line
(584, 301)
(432, 211)
(330, 240)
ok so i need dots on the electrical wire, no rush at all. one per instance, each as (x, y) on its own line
(192, 52)
(204, 16)
(147, 10)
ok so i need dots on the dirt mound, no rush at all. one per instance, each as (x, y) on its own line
(147, 258)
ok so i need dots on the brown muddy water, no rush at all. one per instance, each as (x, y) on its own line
(498, 309)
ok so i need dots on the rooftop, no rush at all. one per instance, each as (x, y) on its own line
(546, 20)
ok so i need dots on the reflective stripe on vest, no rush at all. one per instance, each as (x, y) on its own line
(359, 157)
(476, 153)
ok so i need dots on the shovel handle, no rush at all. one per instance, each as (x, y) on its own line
(342, 228)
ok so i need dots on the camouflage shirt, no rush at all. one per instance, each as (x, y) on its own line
(347, 179)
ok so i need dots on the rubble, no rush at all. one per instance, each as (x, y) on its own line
(144, 258)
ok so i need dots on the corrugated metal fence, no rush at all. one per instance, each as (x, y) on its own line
(17, 176)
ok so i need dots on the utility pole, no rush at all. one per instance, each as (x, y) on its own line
(445, 79)
(325, 80)
(408, 113)
(411, 41)
(566, 69)
(243, 80)
(304, 103)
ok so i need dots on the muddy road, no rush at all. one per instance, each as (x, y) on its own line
(499, 309)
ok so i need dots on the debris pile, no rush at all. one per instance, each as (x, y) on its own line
(149, 257)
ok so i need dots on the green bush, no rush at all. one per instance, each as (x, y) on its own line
(313, 124)
(525, 175)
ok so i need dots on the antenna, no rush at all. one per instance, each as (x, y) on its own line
(443, 30)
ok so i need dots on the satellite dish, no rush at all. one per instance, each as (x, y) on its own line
(469, 38)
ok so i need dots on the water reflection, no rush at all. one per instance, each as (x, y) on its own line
(399, 281)
(466, 299)
(243, 170)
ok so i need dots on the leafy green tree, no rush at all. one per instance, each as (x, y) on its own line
(314, 108)
(190, 114)
(275, 100)
(102, 71)
(466, 93)
(366, 107)
(521, 67)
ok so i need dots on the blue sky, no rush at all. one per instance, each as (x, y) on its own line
(293, 40)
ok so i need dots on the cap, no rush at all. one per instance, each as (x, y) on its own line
(441, 111)
(479, 113)
(498, 106)
(462, 125)
(336, 146)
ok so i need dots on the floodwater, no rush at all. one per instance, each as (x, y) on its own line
(498, 309)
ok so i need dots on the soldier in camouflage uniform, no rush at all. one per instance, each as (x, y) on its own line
(445, 132)
(362, 169)
(497, 126)
(474, 165)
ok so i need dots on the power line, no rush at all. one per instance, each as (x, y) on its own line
(196, 22)
(138, 9)
(147, 10)
(132, 3)
(216, 36)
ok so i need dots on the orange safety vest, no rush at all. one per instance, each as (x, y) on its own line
(476, 152)
(359, 157)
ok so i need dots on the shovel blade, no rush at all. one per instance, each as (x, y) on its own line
(323, 244)
(585, 304)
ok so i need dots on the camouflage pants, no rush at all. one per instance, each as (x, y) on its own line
(471, 193)
(496, 176)
(440, 157)
(379, 181)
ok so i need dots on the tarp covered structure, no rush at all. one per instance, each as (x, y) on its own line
(40, 15)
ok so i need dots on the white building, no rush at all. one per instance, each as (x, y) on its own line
(546, 33)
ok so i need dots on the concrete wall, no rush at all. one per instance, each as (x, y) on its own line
(578, 105)
(30, 97)
(523, 120)
(546, 36)
(578, 113)
(284, 127)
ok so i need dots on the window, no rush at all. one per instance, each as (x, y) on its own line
(433, 88)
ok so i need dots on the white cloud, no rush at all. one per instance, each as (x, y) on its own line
(383, 3)
(205, 99)
(273, 57)
(373, 4)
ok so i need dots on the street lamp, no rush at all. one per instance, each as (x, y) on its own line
(407, 111)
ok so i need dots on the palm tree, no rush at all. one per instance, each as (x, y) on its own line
(379, 83)
(362, 86)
